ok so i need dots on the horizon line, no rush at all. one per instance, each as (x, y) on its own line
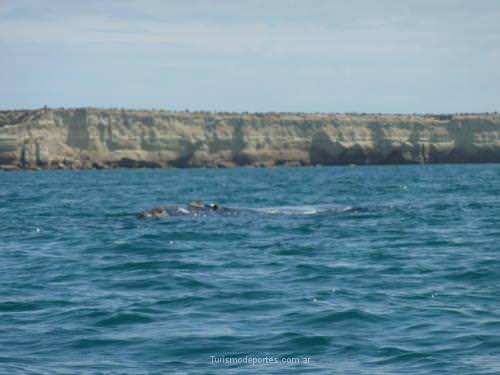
(202, 111)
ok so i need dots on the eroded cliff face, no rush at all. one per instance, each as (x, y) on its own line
(94, 138)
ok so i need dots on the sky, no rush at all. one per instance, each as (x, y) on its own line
(389, 56)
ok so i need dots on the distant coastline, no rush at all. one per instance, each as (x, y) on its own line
(86, 138)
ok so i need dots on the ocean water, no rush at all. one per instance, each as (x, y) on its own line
(349, 270)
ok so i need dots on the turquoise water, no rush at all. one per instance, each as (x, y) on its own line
(351, 270)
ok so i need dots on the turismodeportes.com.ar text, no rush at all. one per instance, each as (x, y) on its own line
(253, 361)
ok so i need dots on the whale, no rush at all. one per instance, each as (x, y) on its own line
(198, 208)
(193, 208)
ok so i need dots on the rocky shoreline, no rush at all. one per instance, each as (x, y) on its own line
(112, 138)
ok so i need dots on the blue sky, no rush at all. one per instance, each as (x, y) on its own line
(388, 56)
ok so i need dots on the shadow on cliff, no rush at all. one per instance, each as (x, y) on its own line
(327, 151)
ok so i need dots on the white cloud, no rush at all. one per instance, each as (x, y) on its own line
(283, 39)
(246, 28)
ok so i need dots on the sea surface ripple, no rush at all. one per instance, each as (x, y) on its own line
(351, 270)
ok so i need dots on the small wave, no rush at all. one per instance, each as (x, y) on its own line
(301, 341)
(91, 342)
(28, 306)
(393, 355)
(121, 214)
(345, 316)
(124, 319)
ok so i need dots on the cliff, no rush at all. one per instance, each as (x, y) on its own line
(95, 138)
